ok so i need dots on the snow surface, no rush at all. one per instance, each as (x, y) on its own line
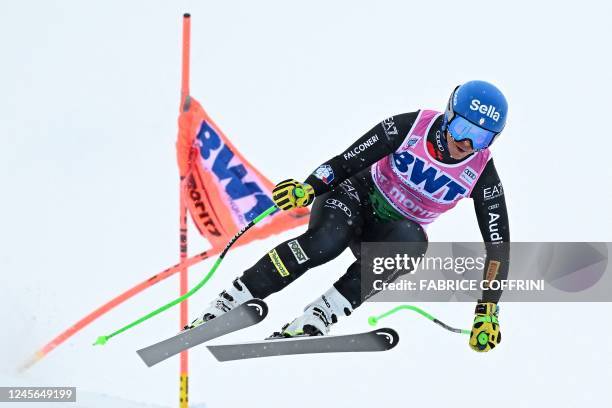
(88, 102)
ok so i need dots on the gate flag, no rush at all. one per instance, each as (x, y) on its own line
(223, 191)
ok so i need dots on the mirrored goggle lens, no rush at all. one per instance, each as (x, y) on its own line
(461, 129)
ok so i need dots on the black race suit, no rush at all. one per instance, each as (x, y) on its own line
(349, 210)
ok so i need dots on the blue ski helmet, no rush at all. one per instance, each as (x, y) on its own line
(476, 111)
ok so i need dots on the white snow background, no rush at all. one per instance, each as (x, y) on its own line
(89, 96)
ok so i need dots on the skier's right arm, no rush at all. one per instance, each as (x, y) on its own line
(383, 139)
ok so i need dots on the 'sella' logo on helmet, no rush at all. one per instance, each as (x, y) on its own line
(487, 110)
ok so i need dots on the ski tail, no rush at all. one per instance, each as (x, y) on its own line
(377, 340)
(243, 316)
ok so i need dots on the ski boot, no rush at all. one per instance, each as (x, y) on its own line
(318, 316)
(236, 295)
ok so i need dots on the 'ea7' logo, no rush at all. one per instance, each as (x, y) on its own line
(431, 179)
(236, 188)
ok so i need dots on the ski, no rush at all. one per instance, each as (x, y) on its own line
(376, 340)
(245, 315)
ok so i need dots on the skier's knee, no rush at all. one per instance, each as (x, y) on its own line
(404, 231)
(324, 243)
(289, 260)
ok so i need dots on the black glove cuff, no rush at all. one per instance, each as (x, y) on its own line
(488, 309)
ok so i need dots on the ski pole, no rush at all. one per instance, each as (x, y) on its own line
(101, 340)
(373, 320)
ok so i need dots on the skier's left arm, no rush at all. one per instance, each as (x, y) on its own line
(492, 216)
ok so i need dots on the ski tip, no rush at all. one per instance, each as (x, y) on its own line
(389, 336)
(372, 320)
(259, 307)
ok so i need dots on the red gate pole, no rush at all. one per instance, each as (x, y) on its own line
(184, 283)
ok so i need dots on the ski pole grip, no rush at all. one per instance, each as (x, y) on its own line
(299, 192)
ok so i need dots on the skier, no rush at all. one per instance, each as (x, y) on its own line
(387, 187)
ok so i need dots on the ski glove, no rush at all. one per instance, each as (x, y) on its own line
(485, 333)
(291, 193)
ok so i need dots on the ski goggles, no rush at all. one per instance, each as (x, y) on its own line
(462, 129)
